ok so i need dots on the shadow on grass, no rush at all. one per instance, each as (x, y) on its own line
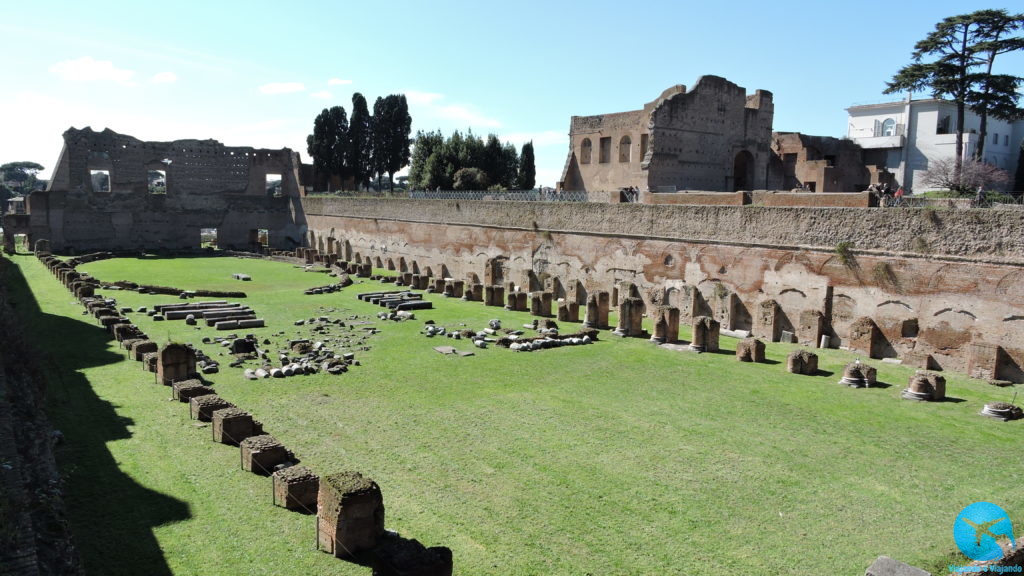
(825, 373)
(112, 516)
(395, 554)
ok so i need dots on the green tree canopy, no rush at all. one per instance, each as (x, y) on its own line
(20, 176)
(390, 129)
(436, 160)
(961, 50)
(425, 145)
(328, 144)
(527, 169)
(360, 144)
(470, 179)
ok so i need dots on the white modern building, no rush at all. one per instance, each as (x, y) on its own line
(905, 136)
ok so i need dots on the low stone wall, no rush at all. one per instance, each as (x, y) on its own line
(982, 234)
(814, 199)
(945, 289)
(696, 198)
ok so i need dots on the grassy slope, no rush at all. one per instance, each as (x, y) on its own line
(616, 458)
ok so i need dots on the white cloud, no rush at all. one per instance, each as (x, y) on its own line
(87, 69)
(164, 78)
(323, 95)
(461, 115)
(338, 82)
(282, 87)
(415, 97)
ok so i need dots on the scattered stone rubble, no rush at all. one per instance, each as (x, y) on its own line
(397, 300)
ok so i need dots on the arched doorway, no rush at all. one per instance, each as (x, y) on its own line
(743, 171)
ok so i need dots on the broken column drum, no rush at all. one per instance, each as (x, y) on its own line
(856, 374)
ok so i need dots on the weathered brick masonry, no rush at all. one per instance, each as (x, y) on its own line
(944, 288)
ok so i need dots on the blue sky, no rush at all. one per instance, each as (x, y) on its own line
(256, 73)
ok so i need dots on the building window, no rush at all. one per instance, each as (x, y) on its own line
(625, 145)
(585, 147)
(100, 180)
(1006, 140)
(889, 127)
(995, 138)
(606, 150)
(644, 138)
(943, 125)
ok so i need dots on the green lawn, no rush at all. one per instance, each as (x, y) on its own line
(615, 458)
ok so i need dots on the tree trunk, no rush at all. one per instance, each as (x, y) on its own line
(983, 128)
(959, 160)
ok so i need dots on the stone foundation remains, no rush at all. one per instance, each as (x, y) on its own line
(350, 514)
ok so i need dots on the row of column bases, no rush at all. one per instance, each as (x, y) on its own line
(541, 303)
(349, 507)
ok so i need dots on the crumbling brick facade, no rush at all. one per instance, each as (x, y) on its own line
(205, 185)
(711, 137)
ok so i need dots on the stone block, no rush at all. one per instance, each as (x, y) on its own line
(568, 312)
(671, 316)
(350, 514)
(750, 350)
(631, 315)
(812, 326)
(866, 337)
(203, 407)
(143, 347)
(984, 360)
(540, 304)
(597, 310)
(260, 454)
(885, 566)
(919, 360)
(767, 321)
(149, 361)
(232, 425)
(296, 488)
(802, 362)
(494, 295)
(660, 329)
(185, 390)
(175, 362)
(706, 334)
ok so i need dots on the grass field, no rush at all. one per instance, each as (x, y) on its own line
(615, 458)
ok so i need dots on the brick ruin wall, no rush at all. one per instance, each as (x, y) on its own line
(208, 185)
(79, 223)
(692, 132)
(945, 288)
